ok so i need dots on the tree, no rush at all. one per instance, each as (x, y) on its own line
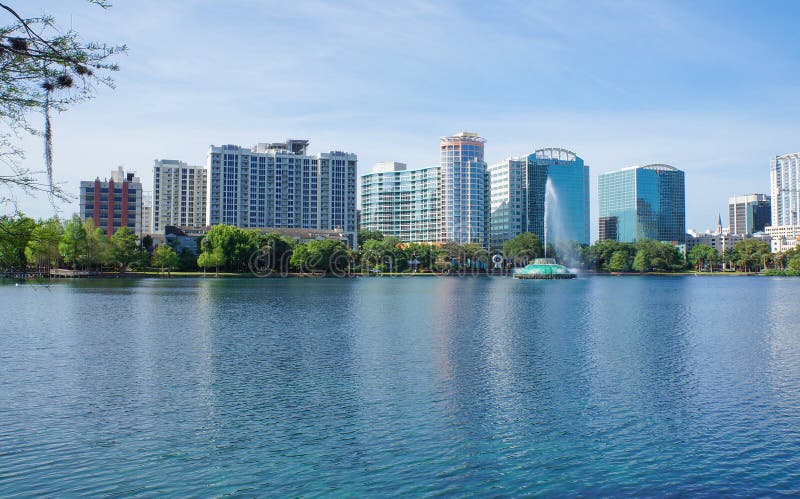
(276, 250)
(237, 245)
(187, 261)
(44, 68)
(619, 262)
(701, 255)
(365, 235)
(43, 247)
(124, 248)
(15, 234)
(164, 257)
(73, 242)
(751, 254)
(523, 248)
(386, 255)
(147, 242)
(322, 255)
(641, 263)
(98, 247)
(211, 258)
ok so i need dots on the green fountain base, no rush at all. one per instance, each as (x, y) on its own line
(544, 268)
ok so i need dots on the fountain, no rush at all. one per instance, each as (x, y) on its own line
(547, 268)
(544, 268)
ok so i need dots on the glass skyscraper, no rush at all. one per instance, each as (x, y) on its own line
(402, 203)
(464, 189)
(643, 202)
(521, 203)
(568, 216)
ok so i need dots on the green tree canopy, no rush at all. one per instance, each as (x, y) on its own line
(43, 248)
(365, 235)
(124, 248)
(523, 248)
(619, 261)
(165, 258)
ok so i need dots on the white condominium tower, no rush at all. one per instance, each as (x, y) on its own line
(508, 200)
(785, 189)
(402, 203)
(464, 189)
(785, 185)
(179, 194)
(279, 185)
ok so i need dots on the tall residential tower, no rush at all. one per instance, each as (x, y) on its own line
(785, 190)
(402, 203)
(464, 189)
(279, 185)
(179, 194)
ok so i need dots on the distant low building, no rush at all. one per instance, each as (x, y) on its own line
(784, 237)
(748, 214)
(113, 203)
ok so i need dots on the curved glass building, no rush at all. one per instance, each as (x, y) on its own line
(643, 202)
(568, 214)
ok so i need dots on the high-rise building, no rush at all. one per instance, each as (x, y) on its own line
(402, 203)
(785, 187)
(179, 194)
(464, 189)
(785, 190)
(748, 214)
(643, 202)
(508, 207)
(147, 212)
(558, 196)
(113, 203)
(279, 185)
(548, 189)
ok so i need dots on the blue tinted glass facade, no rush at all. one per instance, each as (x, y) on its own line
(645, 202)
(567, 217)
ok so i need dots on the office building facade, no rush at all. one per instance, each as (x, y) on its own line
(508, 206)
(558, 196)
(279, 185)
(113, 203)
(464, 193)
(643, 202)
(748, 214)
(545, 193)
(402, 203)
(179, 194)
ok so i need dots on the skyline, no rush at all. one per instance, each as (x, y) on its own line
(623, 84)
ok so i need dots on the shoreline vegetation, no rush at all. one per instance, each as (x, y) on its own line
(76, 248)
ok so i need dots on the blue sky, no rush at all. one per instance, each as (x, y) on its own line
(709, 87)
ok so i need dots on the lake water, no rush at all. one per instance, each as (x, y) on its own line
(401, 386)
